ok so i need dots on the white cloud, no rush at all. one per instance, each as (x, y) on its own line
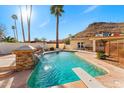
(44, 23)
(90, 9)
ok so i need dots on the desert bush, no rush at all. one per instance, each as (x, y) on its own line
(52, 48)
(101, 55)
(64, 47)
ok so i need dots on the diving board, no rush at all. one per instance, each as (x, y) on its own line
(90, 81)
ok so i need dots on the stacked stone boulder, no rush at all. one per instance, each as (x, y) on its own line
(24, 57)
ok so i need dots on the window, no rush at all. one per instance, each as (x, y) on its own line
(78, 45)
(82, 45)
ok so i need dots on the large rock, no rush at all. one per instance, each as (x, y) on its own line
(97, 27)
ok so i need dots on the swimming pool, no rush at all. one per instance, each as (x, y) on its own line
(56, 69)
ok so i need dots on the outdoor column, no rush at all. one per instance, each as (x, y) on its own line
(109, 48)
(118, 49)
(123, 43)
(24, 58)
(94, 45)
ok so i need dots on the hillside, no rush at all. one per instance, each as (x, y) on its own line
(98, 27)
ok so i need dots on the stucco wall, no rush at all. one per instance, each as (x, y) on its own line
(73, 43)
(68, 47)
(6, 48)
(61, 45)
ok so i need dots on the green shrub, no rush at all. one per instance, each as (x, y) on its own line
(10, 39)
(67, 41)
(45, 49)
(52, 48)
(64, 47)
(101, 55)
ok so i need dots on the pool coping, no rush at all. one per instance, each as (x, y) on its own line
(90, 81)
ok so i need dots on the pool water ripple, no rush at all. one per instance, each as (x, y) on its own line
(56, 69)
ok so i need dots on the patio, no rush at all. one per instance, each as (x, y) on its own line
(114, 78)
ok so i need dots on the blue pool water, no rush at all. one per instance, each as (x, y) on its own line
(56, 69)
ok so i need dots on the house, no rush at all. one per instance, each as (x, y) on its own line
(90, 39)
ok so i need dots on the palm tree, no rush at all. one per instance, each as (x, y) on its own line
(14, 17)
(23, 34)
(13, 28)
(29, 21)
(57, 10)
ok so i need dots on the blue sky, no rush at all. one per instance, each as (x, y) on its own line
(75, 19)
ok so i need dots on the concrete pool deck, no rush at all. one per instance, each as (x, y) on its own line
(114, 78)
(7, 65)
(7, 60)
(16, 80)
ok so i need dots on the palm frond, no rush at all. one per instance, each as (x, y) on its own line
(56, 10)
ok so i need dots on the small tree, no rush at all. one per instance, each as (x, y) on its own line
(9, 39)
(37, 39)
(67, 41)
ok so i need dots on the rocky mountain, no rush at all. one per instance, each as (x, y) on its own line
(99, 27)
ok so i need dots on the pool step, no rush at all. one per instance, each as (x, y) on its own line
(8, 68)
(6, 71)
(90, 81)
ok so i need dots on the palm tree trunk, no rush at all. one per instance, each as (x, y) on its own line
(28, 21)
(16, 31)
(57, 31)
(23, 34)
